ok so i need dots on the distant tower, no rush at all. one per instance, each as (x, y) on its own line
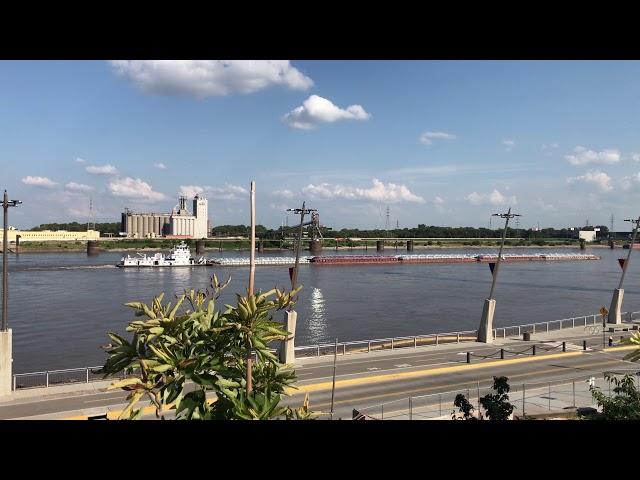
(387, 222)
(89, 227)
(611, 224)
(201, 212)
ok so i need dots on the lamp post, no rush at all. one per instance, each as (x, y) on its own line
(618, 293)
(485, 332)
(6, 203)
(5, 333)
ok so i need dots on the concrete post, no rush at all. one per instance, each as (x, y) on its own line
(485, 332)
(287, 352)
(616, 306)
(5, 363)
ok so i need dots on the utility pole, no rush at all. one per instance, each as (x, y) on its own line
(387, 222)
(287, 352)
(252, 271)
(485, 332)
(6, 342)
(618, 293)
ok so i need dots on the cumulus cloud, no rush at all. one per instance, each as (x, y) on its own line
(80, 160)
(78, 187)
(428, 137)
(632, 181)
(39, 182)
(635, 157)
(493, 198)
(282, 193)
(228, 192)
(389, 192)
(583, 156)
(315, 110)
(203, 78)
(102, 169)
(160, 165)
(509, 144)
(134, 188)
(596, 177)
(438, 200)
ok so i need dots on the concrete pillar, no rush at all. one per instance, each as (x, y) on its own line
(315, 247)
(5, 363)
(92, 247)
(616, 306)
(379, 245)
(261, 246)
(409, 245)
(199, 247)
(287, 352)
(485, 332)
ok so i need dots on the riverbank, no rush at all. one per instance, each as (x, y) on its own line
(71, 248)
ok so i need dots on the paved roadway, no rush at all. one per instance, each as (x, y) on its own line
(371, 379)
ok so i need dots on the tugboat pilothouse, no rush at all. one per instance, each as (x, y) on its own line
(180, 256)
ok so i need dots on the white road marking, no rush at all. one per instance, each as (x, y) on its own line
(402, 365)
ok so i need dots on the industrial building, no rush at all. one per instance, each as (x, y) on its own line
(49, 235)
(177, 224)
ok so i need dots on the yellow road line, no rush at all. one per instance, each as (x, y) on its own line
(425, 372)
(112, 415)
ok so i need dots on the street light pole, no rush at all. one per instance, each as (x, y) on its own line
(506, 216)
(302, 212)
(485, 331)
(6, 203)
(618, 294)
(287, 352)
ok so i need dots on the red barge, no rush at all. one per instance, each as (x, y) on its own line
(410, 259)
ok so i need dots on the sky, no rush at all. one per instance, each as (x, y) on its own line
(436, 142)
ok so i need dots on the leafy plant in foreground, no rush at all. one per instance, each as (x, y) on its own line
(192, 341)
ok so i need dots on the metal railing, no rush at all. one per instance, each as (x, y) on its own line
(85, 375)
(529, 399)
(433, 339)
(55, 377)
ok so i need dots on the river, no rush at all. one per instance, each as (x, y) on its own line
(62, 304)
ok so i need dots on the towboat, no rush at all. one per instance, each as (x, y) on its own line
(179, 256)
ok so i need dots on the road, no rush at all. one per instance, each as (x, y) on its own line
(365, 380)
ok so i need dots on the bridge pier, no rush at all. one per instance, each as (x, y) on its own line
(616, 306)
(287, 350)
(5, 363)
(485, 332)
(379, 245)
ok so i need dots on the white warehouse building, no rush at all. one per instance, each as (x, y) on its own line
(178, 223)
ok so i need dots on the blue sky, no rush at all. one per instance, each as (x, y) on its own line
(441, 143)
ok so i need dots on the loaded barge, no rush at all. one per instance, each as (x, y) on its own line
(399, 259)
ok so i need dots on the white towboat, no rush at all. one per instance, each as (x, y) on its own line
(180, 256)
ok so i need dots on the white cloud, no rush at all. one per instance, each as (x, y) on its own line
(190, 191)
(582, 156)
(389, 193)
(598, 178)
(428, 137)
(635, 157)
(80, 160)
(78, 187)
(204, 78)
(541, 205)
(282, 193)
(438, 200)
(509, 144)
(228, 192)
(160, 165)
(102, 169)
(134, 188)
(493, 198)
(39, 182)
(630, 182)
(316, 110)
